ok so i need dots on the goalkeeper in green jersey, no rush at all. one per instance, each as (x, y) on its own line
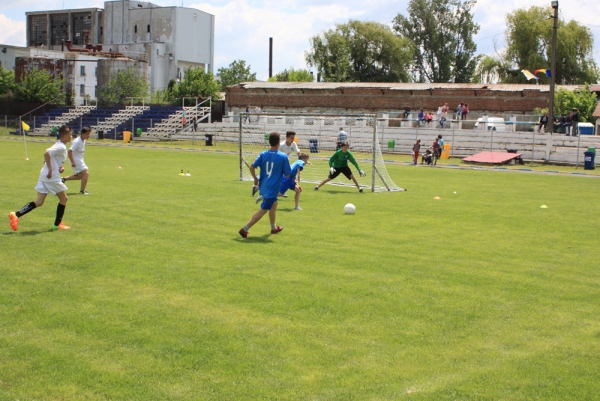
(338, 164)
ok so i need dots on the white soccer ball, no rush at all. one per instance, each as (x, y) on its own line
(349, 208)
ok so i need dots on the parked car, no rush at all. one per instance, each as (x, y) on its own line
(493, 123)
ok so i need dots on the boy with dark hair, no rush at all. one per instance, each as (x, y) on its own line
(338, 164)
(274, 165)
(80, 170)
(49, 182)
(290, 182)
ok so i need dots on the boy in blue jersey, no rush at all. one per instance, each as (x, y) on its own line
(290, 182)
(274, 165)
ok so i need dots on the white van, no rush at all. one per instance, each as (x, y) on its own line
(493, 123)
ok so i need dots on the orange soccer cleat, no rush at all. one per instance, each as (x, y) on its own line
(14, 221)
(61, 226)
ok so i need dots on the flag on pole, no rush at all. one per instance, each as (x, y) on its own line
(547, 72)
(528, 74)
(24, 126)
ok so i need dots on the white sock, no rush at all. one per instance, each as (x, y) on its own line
(273, 226)
(246, 228)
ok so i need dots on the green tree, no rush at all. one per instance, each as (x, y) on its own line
(583, 99)
(7, 81)
(122, 85)
(442, 32)
(529, 47)
(197, 83)
(234, 74)
(292, 75)
(39, 86)
(360, 51)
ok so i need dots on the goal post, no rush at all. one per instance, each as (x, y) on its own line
(317, 136)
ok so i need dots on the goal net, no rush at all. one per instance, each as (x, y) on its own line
(317, 136)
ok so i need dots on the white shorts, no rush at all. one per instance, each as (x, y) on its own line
(79, 168)
(50, 187)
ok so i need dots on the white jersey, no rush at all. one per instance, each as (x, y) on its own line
(58, 155)
(283, 147)
(78, 149)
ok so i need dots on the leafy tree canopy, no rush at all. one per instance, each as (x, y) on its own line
(292, 75)
(197, 83)
(442, 32)
(529, 47)
(362, 51)
(7, 80)
(234, 74)
(39, 86)
(122, 85)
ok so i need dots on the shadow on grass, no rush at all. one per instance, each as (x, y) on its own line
(265, 239)
(35, 232)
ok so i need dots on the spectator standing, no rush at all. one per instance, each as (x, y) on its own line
(420, 117)
(435, 147)
(441, 142)
(247, 116)
(342, 137)
(575, 120)
(543, 122)
(415, 151)
(465, 111)
(569, 123)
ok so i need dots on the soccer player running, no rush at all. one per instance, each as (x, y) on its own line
(80, 170)
(338, 164)
(49, 182)
(290, 182)
(273, 165)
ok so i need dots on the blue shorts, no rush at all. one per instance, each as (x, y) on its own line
(267, 204)
(287, 184)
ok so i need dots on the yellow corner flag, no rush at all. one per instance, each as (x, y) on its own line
(25, 126)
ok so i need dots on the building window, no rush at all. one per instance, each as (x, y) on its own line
(148, 28)
(38, 30)
(81, 28)
(59, 28)
(82, 70)
(82, 90)
(135, 28)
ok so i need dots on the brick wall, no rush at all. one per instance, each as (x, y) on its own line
(382, 99)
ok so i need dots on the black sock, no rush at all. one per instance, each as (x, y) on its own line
(26, 209)
(60, 211)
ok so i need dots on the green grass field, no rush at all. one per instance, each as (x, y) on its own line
(152, 295)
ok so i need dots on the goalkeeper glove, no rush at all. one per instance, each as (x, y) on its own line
(331, 171)
(362, 173)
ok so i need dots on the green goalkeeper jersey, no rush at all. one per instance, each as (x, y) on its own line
(340, 159)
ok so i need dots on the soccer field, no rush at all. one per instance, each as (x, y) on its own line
(153, 295)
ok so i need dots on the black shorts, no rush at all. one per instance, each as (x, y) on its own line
(341, 170)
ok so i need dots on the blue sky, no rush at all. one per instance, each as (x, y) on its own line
(243, 27)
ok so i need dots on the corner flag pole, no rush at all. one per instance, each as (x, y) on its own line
(24, 140)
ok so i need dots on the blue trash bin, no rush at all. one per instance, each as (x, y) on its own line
(588, 160)
(313, 145)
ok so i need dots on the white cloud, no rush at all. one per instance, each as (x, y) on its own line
(243, 31)
(12, 32)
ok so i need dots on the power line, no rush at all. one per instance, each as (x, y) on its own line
(487, 37)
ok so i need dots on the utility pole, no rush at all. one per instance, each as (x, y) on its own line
(270, 57)
(550, 125)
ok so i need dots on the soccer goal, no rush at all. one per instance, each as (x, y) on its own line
(317, 136)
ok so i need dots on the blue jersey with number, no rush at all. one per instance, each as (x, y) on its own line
(297, 166)
(274, 165)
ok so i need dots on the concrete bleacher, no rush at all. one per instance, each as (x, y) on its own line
(58, 117)
(148, 119)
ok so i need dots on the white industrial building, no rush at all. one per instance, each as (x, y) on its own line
(168, 39)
